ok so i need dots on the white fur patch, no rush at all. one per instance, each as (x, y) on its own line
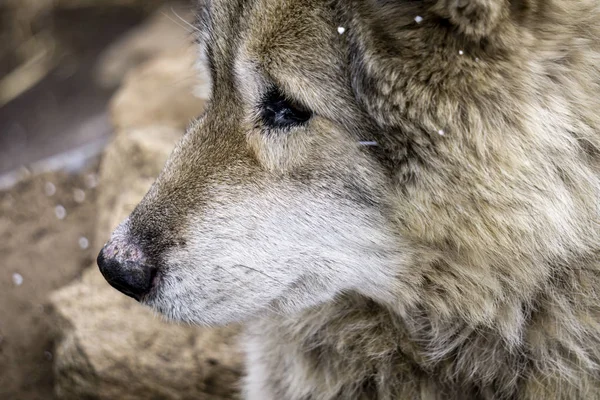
(281, 250)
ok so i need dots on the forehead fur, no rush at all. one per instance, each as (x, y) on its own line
(300, 51)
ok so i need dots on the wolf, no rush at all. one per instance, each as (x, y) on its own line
(399, 198)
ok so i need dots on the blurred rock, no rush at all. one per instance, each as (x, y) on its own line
(113, 348)
(163, 91)
(110, 347)
(168, 29)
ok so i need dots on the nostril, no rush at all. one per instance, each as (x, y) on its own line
(130, 275)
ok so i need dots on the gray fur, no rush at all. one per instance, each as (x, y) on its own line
(457, 259)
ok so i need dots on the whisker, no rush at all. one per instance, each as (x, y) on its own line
(260, 272)
(269, 306)
(368, 143)
(187, 24)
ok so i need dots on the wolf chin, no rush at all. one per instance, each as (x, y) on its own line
(401, 199)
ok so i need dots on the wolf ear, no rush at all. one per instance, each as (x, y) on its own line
(474, 18)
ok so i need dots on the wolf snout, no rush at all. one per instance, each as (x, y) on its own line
(126, 269)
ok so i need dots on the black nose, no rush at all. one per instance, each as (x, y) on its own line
(129, 275)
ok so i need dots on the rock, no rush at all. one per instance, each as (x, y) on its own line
(109, 346)
(163, 91)
(167, 30)
(113, 348)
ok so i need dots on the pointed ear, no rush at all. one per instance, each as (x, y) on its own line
(474, 18)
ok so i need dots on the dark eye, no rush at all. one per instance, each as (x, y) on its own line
(279, 112)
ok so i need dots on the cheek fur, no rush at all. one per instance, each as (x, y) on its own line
(274, 251)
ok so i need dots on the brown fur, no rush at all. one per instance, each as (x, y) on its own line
(486, 178)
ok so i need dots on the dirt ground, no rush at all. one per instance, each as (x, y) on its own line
(39, 252)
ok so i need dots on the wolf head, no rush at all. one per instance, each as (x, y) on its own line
(425, 150)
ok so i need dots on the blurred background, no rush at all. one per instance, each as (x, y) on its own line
(93, 95)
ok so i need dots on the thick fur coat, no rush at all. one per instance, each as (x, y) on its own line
(400, 198)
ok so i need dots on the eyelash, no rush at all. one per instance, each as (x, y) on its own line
(279, 112)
